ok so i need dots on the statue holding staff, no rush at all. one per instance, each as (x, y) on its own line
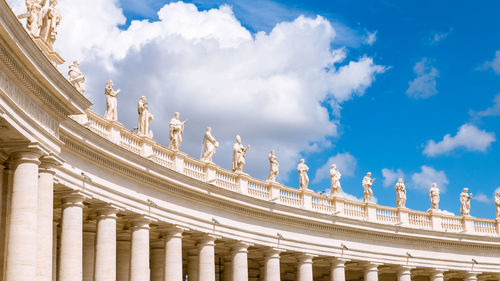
(176, 131)
(34, 16)
(209, 145)
(50, 21)
(239, 152)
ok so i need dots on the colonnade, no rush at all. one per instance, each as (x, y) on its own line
(66, 247)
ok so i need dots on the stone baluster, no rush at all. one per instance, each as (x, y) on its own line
(173, 253)
(305, 267)
(272, 265)
(371, 271)
(105, 245)
(206, 257)
(21, 252)
(337, 272)
(70, 261)
(139, 249)
(45, 218)
(239, 256)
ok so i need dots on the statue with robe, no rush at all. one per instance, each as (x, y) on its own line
(34, 16)
(51, 18)
(209, 145)
(465, 198)
(497, 204)
(302, 169)
(145, 117)
(400, 193)
(76, 78)
(111, 102)
(434, 197)
(239, 152)
(176, 131)
(367, 186)
(273, 167)
(335, 181)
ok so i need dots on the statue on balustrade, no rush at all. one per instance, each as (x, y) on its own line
(34, 16)
(465, 198)
(273, 167)
(367, 186)
(400, 193)
(434, 197)
(209, 145)
(145, 117)
(111, 102)
(239, 155)
(302, 169)
(497, 203)
(50, 20)
(76, 78)
(335, 181)
(176, 131)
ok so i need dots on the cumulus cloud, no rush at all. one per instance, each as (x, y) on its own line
(481, 197)
(270, 88)
(371, 37)
(493, 110)
(391, 176)
(346, 164)
(424, 179)
(424, 85)
(439, 36)
(468, 137)
(493, 64)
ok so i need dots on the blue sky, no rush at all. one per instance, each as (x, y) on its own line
(405, 87)
(385, 128)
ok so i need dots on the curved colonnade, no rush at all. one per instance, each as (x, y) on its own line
(83, 198)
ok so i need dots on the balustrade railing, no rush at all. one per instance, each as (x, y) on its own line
(213, 174)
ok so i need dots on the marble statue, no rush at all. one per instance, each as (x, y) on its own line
(273, 167)
(367, 186)
(145, 117)
(335, 180)
(497, 203)
(303, 177)
(209, 145)
(400, 193)
(239, 155)
(76, 78)
(50, 20)
(176, 131)
(34, 18)
(434, 197)
(111, 102)
(465, 202)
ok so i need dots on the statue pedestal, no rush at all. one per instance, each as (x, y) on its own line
(48, 51)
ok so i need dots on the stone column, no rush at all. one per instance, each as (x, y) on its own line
(371, 271)
(123, 256)
(228, 269)
(305, 269)
(21, 254)
(139, 252)
(337, 272)
(45, 218)
(89, 230)
(105, 245)
(70, 261)
(471, 276)
(437, 274)
(173, 253)
(192, 266)
(55, 227)
(157, 260)
(272, 265)
(239, 255)
(206, 258)
(404, 273)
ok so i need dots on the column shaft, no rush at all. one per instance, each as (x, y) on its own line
(305, 270)
(371, 272)
(192, 267)
(70, 261)
(88, 257)
(404, 273)
(206, 258)
(173, 254)
(436, 275)
(272, 266)
(157, 264)
(337, 269)
(228, 269)
(21, 255)
(240, 262)
(55, 227)
(122, 260)
(105, 246)
(139, 252)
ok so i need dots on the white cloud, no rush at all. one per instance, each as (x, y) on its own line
(424, 85)
(391, 176)
(493, 64)
(424, 179)
(371, 37)
(268, 87)
(354, 198)
(468, 137)
(439, 36)
(481, 197)
(346, 164)
(493, 110)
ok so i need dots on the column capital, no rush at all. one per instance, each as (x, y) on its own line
(273, 252)
(471, 275)
(49, 162)
(140, 221)
(207, 239)
(437, 271)
(72, 198)
(26, 153)
(240, 247)
(372, 266)
(338, 262)
(106, 210)
(173, 230)
(305, 258)
(403, 268)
